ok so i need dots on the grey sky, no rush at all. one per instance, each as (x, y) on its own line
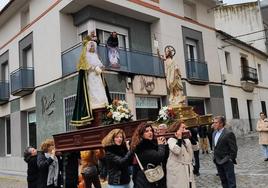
(3, 3)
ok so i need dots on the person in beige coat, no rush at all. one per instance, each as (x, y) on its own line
(179, 164)
(262, 128)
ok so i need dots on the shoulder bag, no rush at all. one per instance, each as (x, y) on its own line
(153, 173)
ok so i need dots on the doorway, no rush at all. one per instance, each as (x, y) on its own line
(250, 113)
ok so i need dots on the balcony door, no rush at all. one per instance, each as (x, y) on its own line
(103, 31)
(5, 73)
(192, 56)
(244, 67)
(191, 49)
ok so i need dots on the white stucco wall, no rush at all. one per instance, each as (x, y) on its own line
(242, 19)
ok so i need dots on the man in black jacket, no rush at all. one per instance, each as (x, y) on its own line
(225, 152)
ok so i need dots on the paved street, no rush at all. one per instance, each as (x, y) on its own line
(251, 170)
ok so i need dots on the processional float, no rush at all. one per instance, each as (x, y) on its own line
(91, 129)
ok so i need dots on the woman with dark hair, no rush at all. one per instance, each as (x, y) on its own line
(179, 164)
(30, 157)
(149, 150)
(118, 159)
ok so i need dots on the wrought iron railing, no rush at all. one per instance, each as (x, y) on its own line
(249, 74)
(22, 79)
(130, 61)
(197, 70)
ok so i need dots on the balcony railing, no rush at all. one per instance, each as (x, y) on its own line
(249, 74)
(4, 92)
(197, 71)
(130, 61)
(22, 81)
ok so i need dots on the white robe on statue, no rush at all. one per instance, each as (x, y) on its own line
(97, 94)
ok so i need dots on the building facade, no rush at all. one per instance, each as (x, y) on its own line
(40, 44)
(244, 82)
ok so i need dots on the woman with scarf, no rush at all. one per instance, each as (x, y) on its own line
(30, 157)
(149, 150)
(118, 159)
(179, 164)
(48, 165)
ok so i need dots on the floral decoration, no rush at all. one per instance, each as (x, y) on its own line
(166, 115)
(118, 112)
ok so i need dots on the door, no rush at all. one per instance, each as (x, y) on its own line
(250, 113)
(198, 105)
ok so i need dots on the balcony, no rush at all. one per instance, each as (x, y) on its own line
(249, 78)
(131, 62)
(4, 92)
(197, 72)
(249, 74)
(22, 81)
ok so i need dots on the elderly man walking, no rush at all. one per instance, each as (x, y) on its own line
(225, 152)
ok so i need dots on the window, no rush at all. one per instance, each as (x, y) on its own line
(5, 75)
(235, 109)
(69, 104)
(8, 136)
(189, 10)
(228, 62)
(118, 95)
(83, 35)
(263, 107)
(28, 57)
(147, 107)
(104, 35)
(26, 51)
(191, 49)
(260, 72)
(32, 129)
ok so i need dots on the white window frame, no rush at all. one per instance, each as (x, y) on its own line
(145, 96)
(191, 42)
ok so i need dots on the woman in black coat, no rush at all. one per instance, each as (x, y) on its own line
(148, 150)
(117, 158)
(30, 157)
(45, 158)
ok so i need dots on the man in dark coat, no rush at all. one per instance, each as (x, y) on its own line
(225, 152)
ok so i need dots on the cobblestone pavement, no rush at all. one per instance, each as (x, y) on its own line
(251, 171)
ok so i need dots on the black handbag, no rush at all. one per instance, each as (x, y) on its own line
(90, 171)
